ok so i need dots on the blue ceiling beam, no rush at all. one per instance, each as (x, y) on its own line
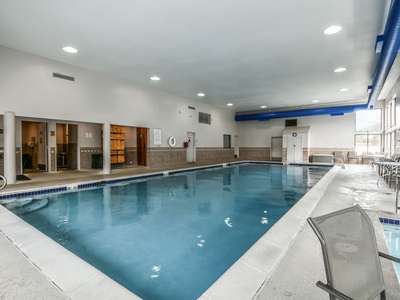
(388, 44)
(390, 48)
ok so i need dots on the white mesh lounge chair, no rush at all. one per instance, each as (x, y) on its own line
(351, 256)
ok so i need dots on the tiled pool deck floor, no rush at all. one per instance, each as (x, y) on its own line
(284, 264)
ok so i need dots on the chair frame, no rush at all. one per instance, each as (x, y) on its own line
(333, 293)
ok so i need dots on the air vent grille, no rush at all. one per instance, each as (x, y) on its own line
(291, 123)
(61, 76)
(204, 118)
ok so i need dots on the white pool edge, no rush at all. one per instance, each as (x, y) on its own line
(247, 276)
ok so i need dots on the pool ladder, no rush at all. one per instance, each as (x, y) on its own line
(2, 178)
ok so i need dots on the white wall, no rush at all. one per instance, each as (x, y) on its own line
(325, 131)
(28, 89)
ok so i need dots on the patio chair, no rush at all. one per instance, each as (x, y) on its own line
(352, 157)
(351, 256)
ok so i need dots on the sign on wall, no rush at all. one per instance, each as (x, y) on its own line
(157, 136)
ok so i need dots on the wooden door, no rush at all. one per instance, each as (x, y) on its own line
(141, 135)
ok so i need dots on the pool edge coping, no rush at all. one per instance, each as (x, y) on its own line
(239, 272)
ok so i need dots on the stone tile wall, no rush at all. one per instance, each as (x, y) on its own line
(17, 163)
(72, 156)
(18, 156)
(253, 153)
(86, 156)
(1, 162)
(214, 155)
(162, 157)
(53, 158)
(131, 156)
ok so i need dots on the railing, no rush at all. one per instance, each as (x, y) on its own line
(3, 182)
(339, 160)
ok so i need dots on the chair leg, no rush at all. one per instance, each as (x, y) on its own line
(383, 295)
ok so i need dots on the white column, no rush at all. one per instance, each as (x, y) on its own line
(9, 147)
(106, 148)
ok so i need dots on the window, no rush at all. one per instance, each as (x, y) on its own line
(227, 141)
(391, 115)
(368, 120)
(368, 138)
(368, 143)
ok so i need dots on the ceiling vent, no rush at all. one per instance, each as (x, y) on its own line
(191, 107)
(70, 78)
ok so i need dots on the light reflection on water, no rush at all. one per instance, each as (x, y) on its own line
(392, 235)
(171, 237)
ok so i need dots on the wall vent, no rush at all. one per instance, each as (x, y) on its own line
(204, 118)
(191, 107)
(57, 75)
(291, 123)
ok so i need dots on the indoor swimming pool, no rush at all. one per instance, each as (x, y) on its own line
(391, 228)
(172, 236)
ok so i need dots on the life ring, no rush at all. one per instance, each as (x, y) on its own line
(171, 141)
(4, 182)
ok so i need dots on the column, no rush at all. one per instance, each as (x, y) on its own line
(106, 148)
(9, 147)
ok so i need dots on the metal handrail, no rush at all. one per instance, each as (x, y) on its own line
(4, 182)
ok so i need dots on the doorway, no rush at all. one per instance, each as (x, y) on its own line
(67, 146)
(294, 150)
(236, 146)
(141, 136)
(191, 149)
(34, 146)
(276, 148)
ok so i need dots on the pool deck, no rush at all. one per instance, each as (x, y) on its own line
(284, 264)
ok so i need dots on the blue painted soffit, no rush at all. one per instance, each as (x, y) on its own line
(334, 111)
(390, 48)
(390, 45)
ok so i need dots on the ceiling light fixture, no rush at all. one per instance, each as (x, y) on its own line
(338, 70)
(201, 94)
(332, 29)
(344, 89)
(155, 78)
(263, 106)
(229, 104)
(70, 49)
(315, 101)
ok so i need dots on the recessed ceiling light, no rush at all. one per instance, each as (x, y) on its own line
(263, 106)
(315, 101)
(332, 30)
(344, 89)
(70, 49)
(201, 94)
(155, 78)
(229, 104)
(338, 70)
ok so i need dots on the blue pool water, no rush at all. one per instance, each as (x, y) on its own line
(392, 234)
(172, 237)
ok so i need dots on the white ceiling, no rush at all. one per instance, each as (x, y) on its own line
(246, 52)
